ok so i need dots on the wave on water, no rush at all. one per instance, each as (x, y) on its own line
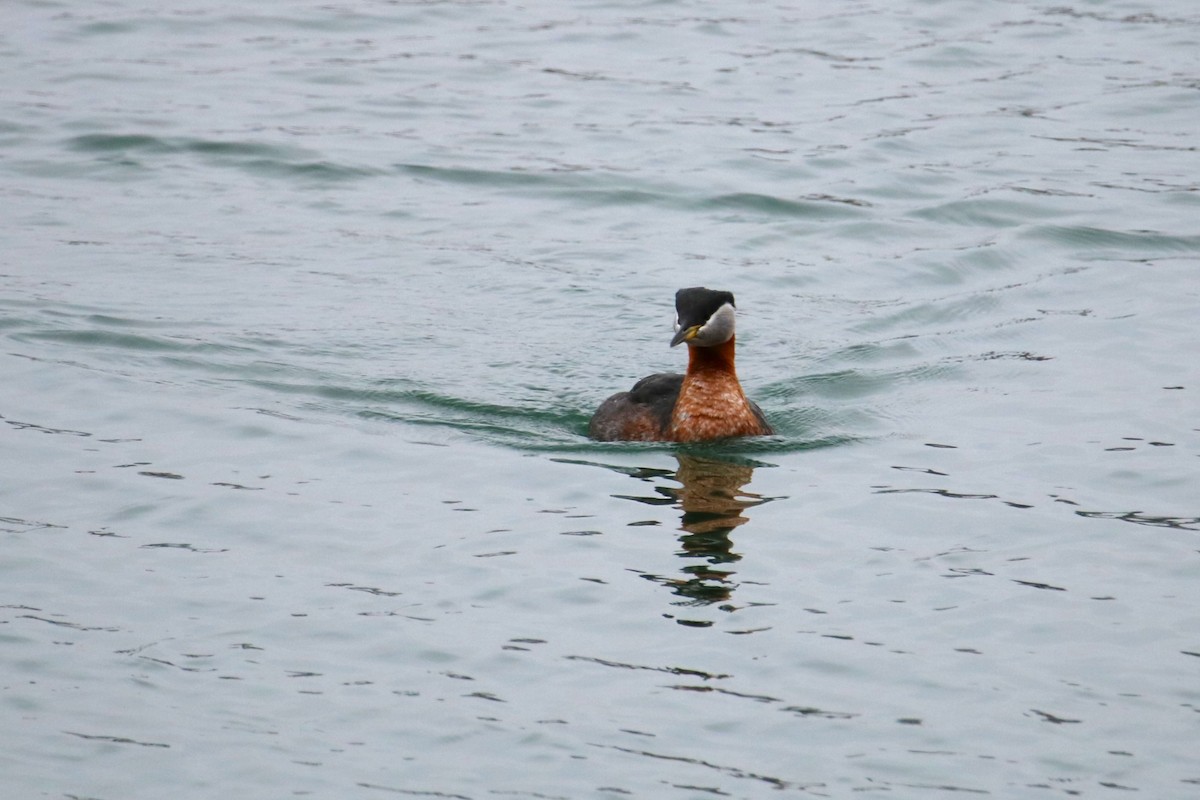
(132, 153)
(257, 158)
(1142, 244)
(298, 380)
(601, 188)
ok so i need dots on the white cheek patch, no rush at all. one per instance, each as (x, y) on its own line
(719, 327)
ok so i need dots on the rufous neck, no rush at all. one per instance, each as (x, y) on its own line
(719, 358)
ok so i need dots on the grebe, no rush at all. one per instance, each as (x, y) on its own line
(706, 403)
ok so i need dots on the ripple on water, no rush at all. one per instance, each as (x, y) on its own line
(252, 157)
(1136, 245)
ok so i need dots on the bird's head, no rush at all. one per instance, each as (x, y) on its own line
(703, 317)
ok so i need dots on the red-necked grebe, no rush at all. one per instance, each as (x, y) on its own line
(706, 403)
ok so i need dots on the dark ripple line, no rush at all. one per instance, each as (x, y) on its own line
(1037, 585)
(671, 670)
(761, 698)
(31, 426)
(257, 157)
(1138, 518)
(1140, 18)
(72, 625)
(413, 792)
(1131, 143)
(26, 525)
(802, 711)
(941, 492)
(945, 787)
(736, 772)
(115, 739)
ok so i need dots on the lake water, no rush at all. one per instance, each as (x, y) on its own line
(305, 308)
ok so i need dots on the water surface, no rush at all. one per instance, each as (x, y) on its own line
(304, 311)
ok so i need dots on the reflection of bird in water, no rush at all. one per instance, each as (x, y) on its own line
(706, 403)
(712, 502)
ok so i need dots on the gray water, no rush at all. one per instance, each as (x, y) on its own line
(304, 310)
